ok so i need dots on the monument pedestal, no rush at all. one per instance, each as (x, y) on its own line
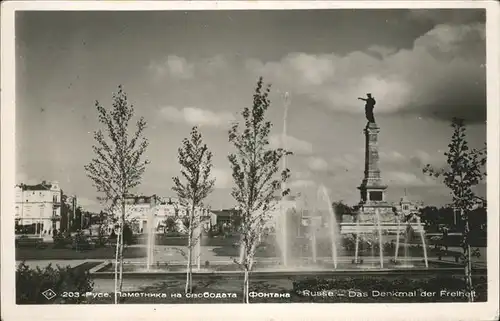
(372, 189)
(373, 209)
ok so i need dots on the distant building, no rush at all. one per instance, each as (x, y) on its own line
(68, 210)
(224, 216)
(406, 207)
(38, 205)
(138, 211)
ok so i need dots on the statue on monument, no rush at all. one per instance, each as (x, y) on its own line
(370, 104)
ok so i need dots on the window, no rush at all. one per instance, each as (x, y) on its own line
(406, 207)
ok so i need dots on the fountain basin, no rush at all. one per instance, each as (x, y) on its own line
(325, 269)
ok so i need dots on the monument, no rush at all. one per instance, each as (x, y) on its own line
(373, 209)
(372, 188)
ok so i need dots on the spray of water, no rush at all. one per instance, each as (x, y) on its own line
(380, 242)
(150, 239)
(398, 232)
(356, 250)
(422, 237)
(323, 194)
(313, 241)
(284, 230)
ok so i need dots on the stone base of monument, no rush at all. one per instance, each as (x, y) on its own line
(393, 228)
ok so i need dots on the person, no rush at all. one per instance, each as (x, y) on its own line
(369, 106)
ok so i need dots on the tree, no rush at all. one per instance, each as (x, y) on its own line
(196, 164)
(128, 235)
(118, 165)
(235, 220)
(170, 224)
(101, 220)
(465, 170)
(254, 169)
(340, 209)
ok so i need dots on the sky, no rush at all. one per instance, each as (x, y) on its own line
(181, 69)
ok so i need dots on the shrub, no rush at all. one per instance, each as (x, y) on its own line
(128, 235)
(30, 283)
(81, 242)
(61, 240)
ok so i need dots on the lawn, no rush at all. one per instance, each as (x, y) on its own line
(50, 253)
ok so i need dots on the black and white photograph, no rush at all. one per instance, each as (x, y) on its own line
(230, 156)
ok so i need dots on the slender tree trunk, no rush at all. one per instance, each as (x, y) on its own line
(468, 262)
(117, 255)
(242, 250)
(198, 243)
(246, 286)
(189, 267)
(188, 279)
(122, 228)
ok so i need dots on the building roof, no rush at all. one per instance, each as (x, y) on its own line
(43, 186)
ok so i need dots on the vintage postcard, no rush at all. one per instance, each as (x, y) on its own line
(202, 160)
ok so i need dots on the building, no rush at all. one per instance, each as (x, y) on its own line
(68, 211)
(224, 217)
(38, 206)
(142, 210)
(406, 207)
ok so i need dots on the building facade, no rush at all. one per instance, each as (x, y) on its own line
(39, 206)
(140, 211)
(407, 207)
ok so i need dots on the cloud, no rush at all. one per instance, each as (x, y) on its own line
(420, 158)
(173, 66)
(223, 178)
(400, 178)
(347, 161)
(301, 174)
(441, 76)
(391, 157)
(180, 68)
(295, 145)
(302, 183)
(450, 16)
(197, 116)
(317, 164)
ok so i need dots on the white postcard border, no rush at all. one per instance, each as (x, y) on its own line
(290, 311)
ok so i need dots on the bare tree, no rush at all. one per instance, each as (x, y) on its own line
(464, 171)
(255, 170)
(196, 164)
(118, 165)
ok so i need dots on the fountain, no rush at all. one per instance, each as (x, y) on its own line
(150, 245)
(424, 245)
(323, 193)
(380, 243)
(374, 215)
(284, 241)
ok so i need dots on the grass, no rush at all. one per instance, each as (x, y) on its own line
(50, 253)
